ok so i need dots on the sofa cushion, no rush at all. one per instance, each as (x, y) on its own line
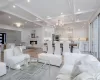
(15, 60)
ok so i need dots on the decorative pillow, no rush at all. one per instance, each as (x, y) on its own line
(17, 51)
(76, 71)
(84, 76)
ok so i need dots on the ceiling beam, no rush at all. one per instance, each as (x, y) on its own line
(76, 22)
(22, 17)
(13, 3)
(83, 12)
(9, 4)
(33, 14)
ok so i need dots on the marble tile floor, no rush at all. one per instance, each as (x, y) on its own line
(40, 76)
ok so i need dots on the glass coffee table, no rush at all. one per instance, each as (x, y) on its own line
(30, 70)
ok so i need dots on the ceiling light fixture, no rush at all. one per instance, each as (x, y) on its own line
(18, 24)
(61, 13)
(28, 0)
(79, 10)
(14, 6)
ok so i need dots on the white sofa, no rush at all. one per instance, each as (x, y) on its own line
(70, 61)
(14, 57)
(3, 70)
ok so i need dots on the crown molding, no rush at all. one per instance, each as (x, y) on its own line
(22, 17)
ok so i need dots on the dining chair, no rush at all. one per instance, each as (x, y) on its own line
(66, 47)
(57, 48)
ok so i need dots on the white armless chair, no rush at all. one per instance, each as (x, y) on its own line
(66, 48)
(10, 45)
(54, 59)
(49, 51)
(81, 46)
(57, 49)
(57, 57)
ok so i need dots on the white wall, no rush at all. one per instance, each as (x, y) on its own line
(2, 26)
(26, 36)
(78, 30)
(47, 33)
(12, 36)
(43, 33)
(13, 33)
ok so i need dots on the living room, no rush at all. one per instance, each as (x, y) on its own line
(56, 40)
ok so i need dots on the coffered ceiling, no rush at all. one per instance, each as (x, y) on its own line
(38, 13)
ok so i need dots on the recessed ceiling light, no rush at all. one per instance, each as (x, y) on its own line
(18, 24)
(9, 17)
(61, 13)
(28, 0)
(79, 10)
(14, 6)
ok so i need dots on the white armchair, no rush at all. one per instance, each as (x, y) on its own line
(3, 70)
(14, 57)
(10, 45)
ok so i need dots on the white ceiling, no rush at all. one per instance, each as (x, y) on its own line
(35, 12)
